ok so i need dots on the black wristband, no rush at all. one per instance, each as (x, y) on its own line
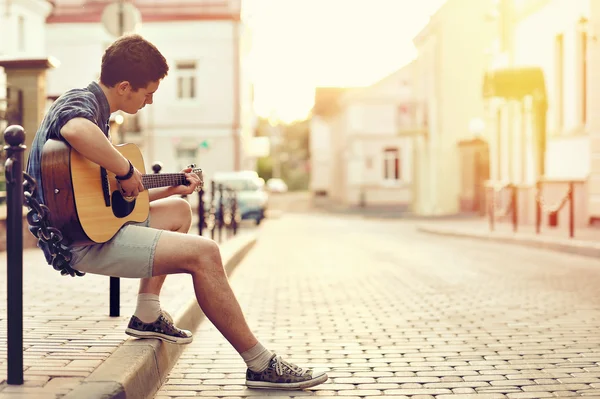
(128, 175)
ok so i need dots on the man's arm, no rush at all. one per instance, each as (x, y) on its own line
(159, 193)
(87, 139)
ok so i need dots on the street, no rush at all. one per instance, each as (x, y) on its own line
(390, 311)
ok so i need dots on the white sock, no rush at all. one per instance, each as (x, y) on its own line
(148, 307)
(257, 358)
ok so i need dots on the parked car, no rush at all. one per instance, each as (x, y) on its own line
(252, 199)
(276, 185)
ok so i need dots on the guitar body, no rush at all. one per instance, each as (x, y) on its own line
(85, 204)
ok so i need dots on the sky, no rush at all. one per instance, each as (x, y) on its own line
(298, 45)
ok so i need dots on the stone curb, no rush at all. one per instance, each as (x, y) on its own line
(573, 246)
(139, 367)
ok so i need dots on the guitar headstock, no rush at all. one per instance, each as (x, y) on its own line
(197, 172)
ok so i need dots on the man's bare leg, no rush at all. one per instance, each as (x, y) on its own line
(201, 258)
(173, 214)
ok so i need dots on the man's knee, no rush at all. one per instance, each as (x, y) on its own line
(183, 207)
(208, 259)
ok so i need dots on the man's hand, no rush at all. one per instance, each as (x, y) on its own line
(194, 183)
(132, 186)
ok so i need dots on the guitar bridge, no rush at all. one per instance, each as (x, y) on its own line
(105, 186)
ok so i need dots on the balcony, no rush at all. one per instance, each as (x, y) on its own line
(412, 119)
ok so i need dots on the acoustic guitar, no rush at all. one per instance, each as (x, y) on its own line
(84, 199)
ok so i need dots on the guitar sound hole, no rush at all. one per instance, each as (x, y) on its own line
(120, 207)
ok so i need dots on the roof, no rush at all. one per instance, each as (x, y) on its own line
(327, 100)
(72, 11)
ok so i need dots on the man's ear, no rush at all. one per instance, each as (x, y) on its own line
(123, 86)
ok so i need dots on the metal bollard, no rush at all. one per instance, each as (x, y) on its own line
(571, 209)
(212, 203)
(538, 207)
(201, 211)
(221, 211)
(234, 224)
(515, 207)
(14, 136)
(492, 208)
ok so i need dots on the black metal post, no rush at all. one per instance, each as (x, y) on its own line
(115, 296)
(234, 224)
(221, 210)
(571, 210)
(492, 207)
(212, 211)
(201, 211)
(538, 207)
(14, 136)
(515, 208)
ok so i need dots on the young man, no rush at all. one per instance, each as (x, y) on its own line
(132, 69)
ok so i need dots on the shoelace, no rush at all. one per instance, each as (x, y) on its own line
(167, 316)
(281, 365)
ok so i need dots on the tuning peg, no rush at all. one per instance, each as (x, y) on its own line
(192, 165)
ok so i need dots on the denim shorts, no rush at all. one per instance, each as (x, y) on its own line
(129, 254)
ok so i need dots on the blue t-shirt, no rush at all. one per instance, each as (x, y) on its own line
(89, 103)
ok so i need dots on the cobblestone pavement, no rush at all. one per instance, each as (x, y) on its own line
(67, 329)
(393, 312)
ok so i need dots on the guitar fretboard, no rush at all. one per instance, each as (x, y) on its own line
(163, 180)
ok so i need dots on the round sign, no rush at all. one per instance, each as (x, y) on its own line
(121, 17)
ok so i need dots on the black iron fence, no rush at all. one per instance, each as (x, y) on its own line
(11, 113)
(218, 214)
(503, 208)
(552, 210)
(503, 202)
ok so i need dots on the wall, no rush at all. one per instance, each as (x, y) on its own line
(320, 155)
(452, 59)
(169, 121)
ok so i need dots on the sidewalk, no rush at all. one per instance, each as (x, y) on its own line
(390, 314)
(586, 241)
(74, 349)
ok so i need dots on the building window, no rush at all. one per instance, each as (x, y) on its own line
(391, 164)
(186, 156)
(186, 80)
(583, 47)
(559, 80)
(404, 116)
(21, 33)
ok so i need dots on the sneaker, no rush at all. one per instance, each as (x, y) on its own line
(162, 328)
(280, 374)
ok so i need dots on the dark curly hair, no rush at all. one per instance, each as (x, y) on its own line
(133, 59)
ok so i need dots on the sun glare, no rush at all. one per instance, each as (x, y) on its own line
(302, 44)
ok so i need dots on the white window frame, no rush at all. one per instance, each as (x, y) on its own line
(186, 80)
(21, 43)
(392, 165)
(186, 155)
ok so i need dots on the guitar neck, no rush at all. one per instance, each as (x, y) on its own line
(164, 180)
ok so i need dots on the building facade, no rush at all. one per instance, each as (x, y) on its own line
(453, 52)
(355, 143)
(23, 33)
(553, 146)
(203, 110)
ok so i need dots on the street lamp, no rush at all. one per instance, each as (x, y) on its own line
(476, 127)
